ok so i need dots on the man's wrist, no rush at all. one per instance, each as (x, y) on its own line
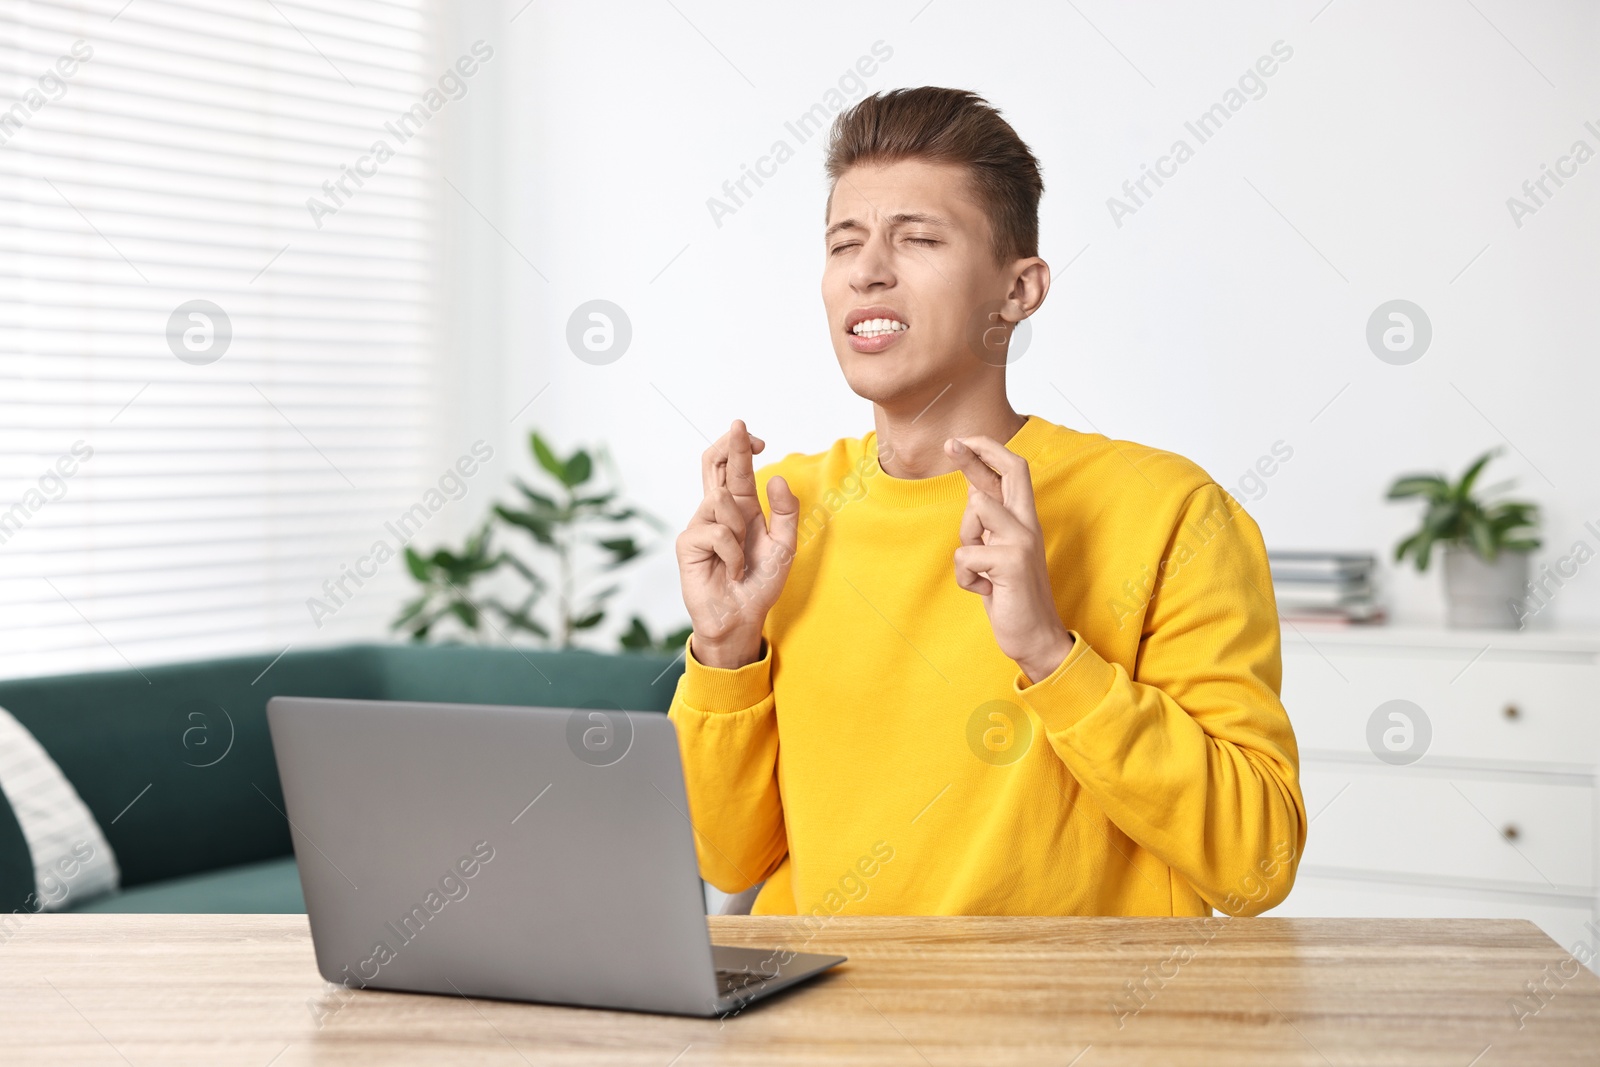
(728, 653)
(1043, 664)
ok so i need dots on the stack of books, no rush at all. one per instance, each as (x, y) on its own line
(1330, 587)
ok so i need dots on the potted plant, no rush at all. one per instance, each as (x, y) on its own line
(570, 522)
(1486, 546)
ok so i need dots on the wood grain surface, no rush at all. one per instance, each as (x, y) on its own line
(220, 989)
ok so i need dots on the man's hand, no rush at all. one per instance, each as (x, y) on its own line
(1001, 557)
(731, 563)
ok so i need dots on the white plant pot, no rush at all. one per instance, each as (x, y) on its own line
(1481, 595)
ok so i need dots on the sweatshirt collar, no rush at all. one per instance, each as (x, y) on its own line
(949, 488)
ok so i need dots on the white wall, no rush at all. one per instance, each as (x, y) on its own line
(1222, 316)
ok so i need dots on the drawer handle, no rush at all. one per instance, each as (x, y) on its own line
(1513, 712)
(1510, 831)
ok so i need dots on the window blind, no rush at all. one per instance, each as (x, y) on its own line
(216, 342)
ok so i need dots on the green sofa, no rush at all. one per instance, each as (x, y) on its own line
(176, 762)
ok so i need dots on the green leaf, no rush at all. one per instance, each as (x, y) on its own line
(544, 508)
(534, 524)
(1504, 520)
(466, 613)
(547, 459)
(420, 633)
(1513, 507)
(588, 621)
(594, 501)
(624, 548)
(636, 636)
(1521, 544)
(416, 565)
(537, 498)
(521, 619)
(1424, 551)
(1463, 489)
(410, 611)
(1443, 520)
(577, 470)
(521, 568)
(1484, 542)
(1429, 485)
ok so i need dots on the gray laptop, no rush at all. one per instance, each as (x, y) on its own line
(521, 853)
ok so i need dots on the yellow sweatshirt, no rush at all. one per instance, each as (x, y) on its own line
(885, 757)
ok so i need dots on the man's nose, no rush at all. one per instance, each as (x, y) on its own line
(874, 266)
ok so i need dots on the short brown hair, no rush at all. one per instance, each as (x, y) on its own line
(948, 126)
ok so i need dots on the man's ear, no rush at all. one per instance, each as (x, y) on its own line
(1030, 283)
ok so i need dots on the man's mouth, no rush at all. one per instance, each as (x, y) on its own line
(878, 327)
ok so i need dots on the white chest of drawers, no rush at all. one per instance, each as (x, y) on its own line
(1479, 800)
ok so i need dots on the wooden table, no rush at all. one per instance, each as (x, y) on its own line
(221, 989)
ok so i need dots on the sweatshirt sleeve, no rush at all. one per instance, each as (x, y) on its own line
(1194, 757)
(727, 727)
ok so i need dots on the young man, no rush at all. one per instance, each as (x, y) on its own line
(973, 662)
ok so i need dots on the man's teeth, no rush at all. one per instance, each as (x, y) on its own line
(877, 327)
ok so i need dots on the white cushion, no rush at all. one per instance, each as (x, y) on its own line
(72, 861)
(720, 903)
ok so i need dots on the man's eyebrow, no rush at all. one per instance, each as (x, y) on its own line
(901, 219)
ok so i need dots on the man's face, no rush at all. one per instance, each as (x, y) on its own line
(908, 238)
